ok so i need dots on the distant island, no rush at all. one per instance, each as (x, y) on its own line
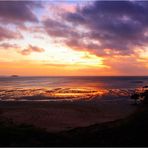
(14, 76)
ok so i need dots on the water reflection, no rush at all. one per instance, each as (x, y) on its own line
(68, 88)
(58, 94)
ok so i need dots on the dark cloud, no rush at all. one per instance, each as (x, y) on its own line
(18, 11)
(31, 49)
(8, 34)
(117, 25)
(59, 29)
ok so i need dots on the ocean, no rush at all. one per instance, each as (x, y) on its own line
(105, 82)
(67, 86)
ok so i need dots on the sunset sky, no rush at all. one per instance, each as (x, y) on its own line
(73, 38)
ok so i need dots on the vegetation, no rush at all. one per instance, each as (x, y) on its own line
(140, 97)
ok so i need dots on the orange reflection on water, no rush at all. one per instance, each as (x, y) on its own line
(51, 94)
(76, 93)
(56, 94)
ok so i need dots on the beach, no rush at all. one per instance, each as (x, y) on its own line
(65, 115)
(63, 103)
(69, 115)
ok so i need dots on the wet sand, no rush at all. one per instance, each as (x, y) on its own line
(65, 115)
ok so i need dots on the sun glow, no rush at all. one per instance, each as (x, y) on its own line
(81, 58)
(68, 57)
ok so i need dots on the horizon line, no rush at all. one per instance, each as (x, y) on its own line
(75, 75)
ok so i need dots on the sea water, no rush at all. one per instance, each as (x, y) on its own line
(68, 87)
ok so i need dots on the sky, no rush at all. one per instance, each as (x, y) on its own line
(74, 38)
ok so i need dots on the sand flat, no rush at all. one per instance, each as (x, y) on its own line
(59, 116)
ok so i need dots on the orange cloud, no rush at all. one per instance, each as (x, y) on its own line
(31, 49)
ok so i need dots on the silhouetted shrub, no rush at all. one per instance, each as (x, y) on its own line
(140, 97)
(145, 97)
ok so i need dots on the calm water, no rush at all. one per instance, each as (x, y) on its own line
(68, 88)
(54, 82)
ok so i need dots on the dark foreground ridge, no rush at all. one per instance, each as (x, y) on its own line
(131, 131)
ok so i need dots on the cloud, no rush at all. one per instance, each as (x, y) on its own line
(117, 25)
(57, 65)
(8, 46)
(8, 34)
(18, 11)
(127, 65)
(31, 49)
(58, 29)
